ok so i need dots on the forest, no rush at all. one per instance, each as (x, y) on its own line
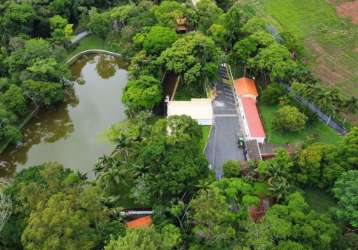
(158, 162)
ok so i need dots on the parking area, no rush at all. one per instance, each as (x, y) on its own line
(222, 145)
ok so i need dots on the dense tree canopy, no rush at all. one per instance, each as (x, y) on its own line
(158, 162)
(54, 208)
(295, 224)
(150, 238)
(143, 93)
(44, 93)
(66, 221)
(158, 39)
(346, 191)
(194, 56)
(208, 13)
(168, 11)
(164, 159)
(215, 213)
(14, 100)
(61, 29)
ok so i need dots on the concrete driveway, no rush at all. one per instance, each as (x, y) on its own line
(222, 145)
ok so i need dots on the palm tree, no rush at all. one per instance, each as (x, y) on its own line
(279, 187)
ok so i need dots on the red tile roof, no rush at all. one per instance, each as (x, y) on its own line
(245, 86)
(140, 222)
(252, 117)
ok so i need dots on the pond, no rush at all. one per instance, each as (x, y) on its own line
(72, 133)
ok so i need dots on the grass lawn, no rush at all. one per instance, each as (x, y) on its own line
(325, 133)
(330, 42)
(184, 93)
(319, 200)
(89, 42)
(205, 138)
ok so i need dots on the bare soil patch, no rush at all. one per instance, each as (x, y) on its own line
(348, 9)
(325, 67)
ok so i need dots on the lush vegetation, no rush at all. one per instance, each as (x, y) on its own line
(326, 41)
(89, 42)
(159, 163)
(315, 131)
(318, 24)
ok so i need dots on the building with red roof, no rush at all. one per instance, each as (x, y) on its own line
(144, 221)
(246, 93)
(245, 87)
(252, 123)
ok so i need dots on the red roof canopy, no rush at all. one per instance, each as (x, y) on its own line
(252, 117)
(245, 86)
(140, 222)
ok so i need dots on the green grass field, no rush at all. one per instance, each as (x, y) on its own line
(205, 138)
(184, 93)
(330, 42)
(322, 131)
(89, 42)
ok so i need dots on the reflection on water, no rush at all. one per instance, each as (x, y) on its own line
(69, 133)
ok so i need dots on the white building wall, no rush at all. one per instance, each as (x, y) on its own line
(208, 122)
(245, 125)
(243, 118)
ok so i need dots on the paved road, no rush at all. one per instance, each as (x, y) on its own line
(222, 145)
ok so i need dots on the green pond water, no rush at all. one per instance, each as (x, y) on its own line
(72, 132)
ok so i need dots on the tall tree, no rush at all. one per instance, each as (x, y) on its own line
(348, 150)
(208, 13)
(17, 18)
(214, 223)
(194, 56)
(142, 94)
(297, 225)
(149, 238)
(44, 93)
(346, 191)
(317, 165)
(158, 39)
(68, 220)
(289, 119)
(14, 100)
(168, 11)
(62, 31)
(217, 211)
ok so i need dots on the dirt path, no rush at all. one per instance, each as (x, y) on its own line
(348, 9)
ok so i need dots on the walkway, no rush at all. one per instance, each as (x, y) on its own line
(79, 36)
(91, 51)
(222, 145)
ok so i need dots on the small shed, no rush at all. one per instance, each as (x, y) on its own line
(182, 24)
(199, 109)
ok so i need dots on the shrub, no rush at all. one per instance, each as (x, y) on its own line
(311, 116)
(289, 119)
(271, 95)
(231, 169)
